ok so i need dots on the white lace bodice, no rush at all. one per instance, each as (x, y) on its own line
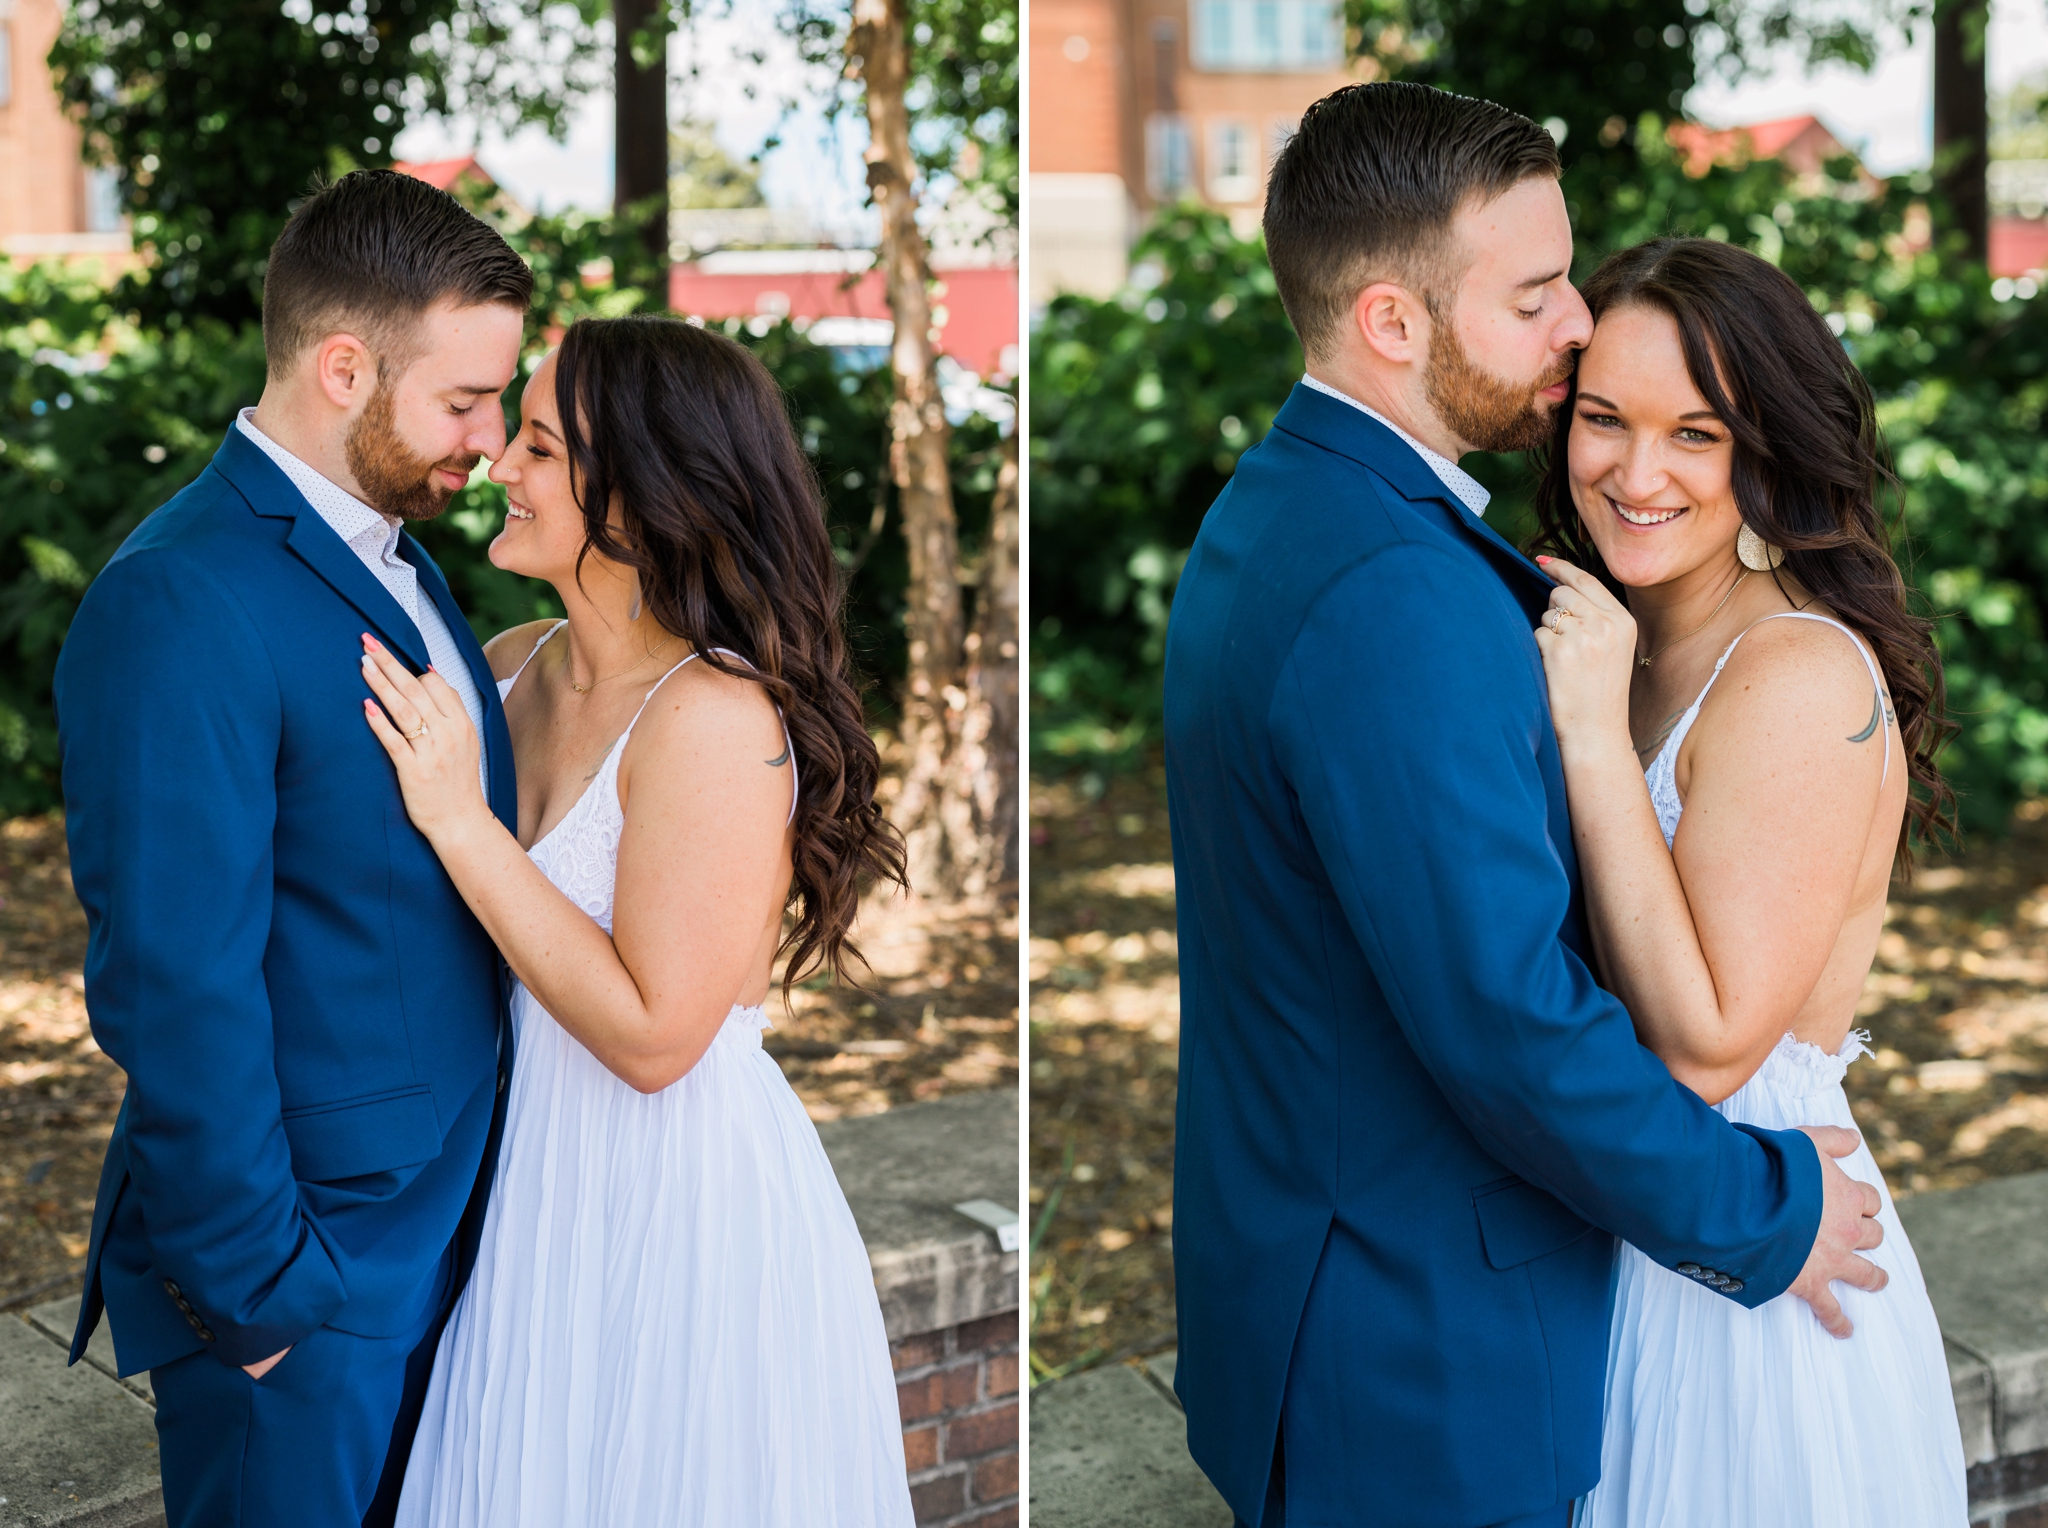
(580, 853)
(1662, 775)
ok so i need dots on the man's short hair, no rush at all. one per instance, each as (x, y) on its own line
(1366, 191)
(371, 252)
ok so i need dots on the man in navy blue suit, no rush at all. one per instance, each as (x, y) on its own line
(310, 1019)
(1410, 1123)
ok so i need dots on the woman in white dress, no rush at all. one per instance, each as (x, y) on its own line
(1744, 733)
(671, 1320)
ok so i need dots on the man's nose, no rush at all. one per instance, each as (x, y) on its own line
(1575, 324)
(488, 439)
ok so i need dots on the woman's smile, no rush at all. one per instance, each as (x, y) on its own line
(1644, 517)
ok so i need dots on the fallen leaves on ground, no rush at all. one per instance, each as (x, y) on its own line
(939, 1016)
(1956, 1091)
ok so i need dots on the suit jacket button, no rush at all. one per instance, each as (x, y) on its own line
(1690, 1270)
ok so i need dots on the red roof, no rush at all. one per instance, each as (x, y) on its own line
(443, 173)
(2018, 246)
(1804, 143)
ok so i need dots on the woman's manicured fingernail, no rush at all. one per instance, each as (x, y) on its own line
(1543, 559)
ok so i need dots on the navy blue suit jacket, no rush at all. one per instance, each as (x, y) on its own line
(310, 1018)
(1410, 1123)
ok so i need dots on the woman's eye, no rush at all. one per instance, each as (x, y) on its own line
(1699, 438)
(1603, 420)
(536, 451)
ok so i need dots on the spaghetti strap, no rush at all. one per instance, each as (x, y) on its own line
(505, 686)
(1880, 712)
(1662, 774)
(788, 744)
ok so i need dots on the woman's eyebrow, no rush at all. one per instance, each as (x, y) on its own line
(541, 426)
(1596, 398)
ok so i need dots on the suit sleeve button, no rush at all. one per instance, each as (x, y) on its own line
(1690, 1270)
(1733, 1286)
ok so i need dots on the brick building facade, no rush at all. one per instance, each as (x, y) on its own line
(51, 204)
(1138, 104)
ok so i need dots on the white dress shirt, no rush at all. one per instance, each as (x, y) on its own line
(1463, 486)
(373, 537)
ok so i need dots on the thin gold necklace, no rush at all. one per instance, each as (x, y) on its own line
(585, 689)
(1660, 652)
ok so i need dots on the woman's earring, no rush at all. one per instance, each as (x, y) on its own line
(1755, 553)
(636, 599)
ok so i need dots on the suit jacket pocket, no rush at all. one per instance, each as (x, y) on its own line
(1518, 1222)
(354, 1136)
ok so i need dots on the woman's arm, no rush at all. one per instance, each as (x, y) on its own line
(702, 868)
(1715, 944)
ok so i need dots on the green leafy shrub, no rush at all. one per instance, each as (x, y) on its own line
(101, 421)
(1132, 396)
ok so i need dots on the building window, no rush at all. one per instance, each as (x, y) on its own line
(1169, 156)
(102, 200)
(1269, 36)
(1233, 162)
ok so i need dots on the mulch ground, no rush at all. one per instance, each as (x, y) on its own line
(1956, 1004)
(938, 1016)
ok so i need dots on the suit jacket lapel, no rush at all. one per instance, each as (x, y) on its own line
(1337, 426)
(271, 494)
(497, 740)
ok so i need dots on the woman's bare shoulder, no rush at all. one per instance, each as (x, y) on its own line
(699, 704)
(513, 646)
(1788, 678)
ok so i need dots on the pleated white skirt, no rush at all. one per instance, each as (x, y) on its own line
(1720, 1417)
(672, 1322)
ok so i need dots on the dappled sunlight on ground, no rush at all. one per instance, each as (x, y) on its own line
(1956, 1005)
(938, 1016)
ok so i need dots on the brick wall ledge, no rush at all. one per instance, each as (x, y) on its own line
(1109, 1447)
(78, 1446)
(903, 1172)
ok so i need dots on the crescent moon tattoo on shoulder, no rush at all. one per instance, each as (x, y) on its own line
(1880, 715)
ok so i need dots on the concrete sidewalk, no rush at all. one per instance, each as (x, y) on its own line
(78, 1445)
(1109, 1450)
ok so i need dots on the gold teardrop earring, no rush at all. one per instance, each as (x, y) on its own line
(1755, 553)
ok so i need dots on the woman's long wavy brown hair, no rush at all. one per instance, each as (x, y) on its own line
(722, 517)
(1809, 464)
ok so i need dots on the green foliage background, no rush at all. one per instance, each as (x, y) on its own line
(102, 419)
(218, 114)
(1142, 404)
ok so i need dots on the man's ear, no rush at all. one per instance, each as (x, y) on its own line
(344, 370)
(1393, 322)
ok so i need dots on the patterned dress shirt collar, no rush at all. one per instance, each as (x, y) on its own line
(1463, 486)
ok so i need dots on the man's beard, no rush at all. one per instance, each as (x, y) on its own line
(393, 477)
(1481, 409)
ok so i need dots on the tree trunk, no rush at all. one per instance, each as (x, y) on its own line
(945, 713)
(988, 773)
(1962, 130)
(640, 126)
